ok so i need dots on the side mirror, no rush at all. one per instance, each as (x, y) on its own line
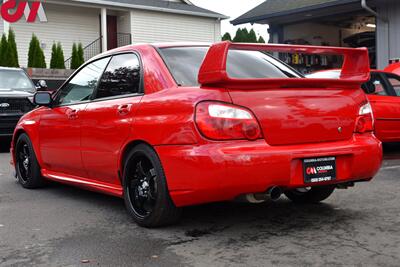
(42, 99)
(41, 85)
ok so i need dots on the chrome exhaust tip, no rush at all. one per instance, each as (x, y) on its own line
(274, 193)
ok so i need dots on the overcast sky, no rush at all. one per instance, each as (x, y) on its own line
(234, 9)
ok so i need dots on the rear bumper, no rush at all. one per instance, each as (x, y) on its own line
(224, 170)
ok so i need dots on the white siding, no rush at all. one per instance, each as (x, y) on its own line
(1, 25)
(150, 27)
(124, 22)
(66, 24)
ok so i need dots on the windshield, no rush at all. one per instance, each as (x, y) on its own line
(15, 80)
(184, 64)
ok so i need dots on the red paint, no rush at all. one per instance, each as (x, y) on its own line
(355, 68)
(83, 145)
(386, 108)
(393, 68)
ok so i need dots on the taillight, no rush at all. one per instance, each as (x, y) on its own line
(365, 120)
(220, 121)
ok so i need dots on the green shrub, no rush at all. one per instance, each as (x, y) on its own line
(36, 57)
(13, 49)
(227, 37)
(77, 56)
(81, 57)
(74, 57)
(57, 57)
(60, 57)
(53, 60)
(5, 60)
(261, 40)
(245, 36)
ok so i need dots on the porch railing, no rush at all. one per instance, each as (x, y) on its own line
(94, 48)
(124, 39)
(89, 51)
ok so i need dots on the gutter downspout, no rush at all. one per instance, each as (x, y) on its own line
(365, 6)
(382, 42)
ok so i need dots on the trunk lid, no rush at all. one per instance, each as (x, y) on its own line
(290, 116)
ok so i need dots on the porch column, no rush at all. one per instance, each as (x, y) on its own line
(104, 30)
(6, 24)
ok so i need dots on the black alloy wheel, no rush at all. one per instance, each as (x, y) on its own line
(142, 188)
(146, 192)
(27, 166)
(24, 161)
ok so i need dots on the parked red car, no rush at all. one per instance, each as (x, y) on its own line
(383, 91)
(171, 125)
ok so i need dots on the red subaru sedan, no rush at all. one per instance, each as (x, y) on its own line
(383, 92)
(171, 125)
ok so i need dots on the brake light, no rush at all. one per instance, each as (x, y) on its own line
(365, 120)
(220, 121)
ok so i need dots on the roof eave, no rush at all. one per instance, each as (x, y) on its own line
(255, 19)
(152, 8)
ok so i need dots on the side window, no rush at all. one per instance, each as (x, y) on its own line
(395, 82)
(375, 86)
(122, 77)
(81, 86)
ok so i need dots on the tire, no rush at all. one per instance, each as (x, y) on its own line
(313, 195)
(146, 192)
(27, 167)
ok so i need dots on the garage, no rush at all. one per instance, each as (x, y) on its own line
(344, 23)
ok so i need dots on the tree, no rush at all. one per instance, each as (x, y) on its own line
(74, 57)
(245, 36)
(252, 37)
(31, 51)
(53, 60)
(60, 57)
(81, 54)
(227, 37)
(57, 57)
(4, 52)
(13, 49)
(239, 36)
(36, 57)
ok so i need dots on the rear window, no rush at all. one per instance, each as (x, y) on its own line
(184, 64)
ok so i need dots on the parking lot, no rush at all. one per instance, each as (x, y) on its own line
(64, 226)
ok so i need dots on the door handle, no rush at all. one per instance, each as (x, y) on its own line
(124, 109)
(72, 114)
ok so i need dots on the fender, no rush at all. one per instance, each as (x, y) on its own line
(29, 124)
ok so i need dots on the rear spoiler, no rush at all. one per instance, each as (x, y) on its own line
(355, 69)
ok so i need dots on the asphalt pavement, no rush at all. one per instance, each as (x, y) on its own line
(64, 226)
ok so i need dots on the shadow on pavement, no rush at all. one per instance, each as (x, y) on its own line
(5, 143)
(267, 218)
(391, 151)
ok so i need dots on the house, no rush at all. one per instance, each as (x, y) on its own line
(371, 23)
(101, 25)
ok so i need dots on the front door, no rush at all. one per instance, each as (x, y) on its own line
(112, 35)
(60, 126)
(107, 120)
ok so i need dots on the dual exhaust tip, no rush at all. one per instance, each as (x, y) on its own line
(273, 193)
